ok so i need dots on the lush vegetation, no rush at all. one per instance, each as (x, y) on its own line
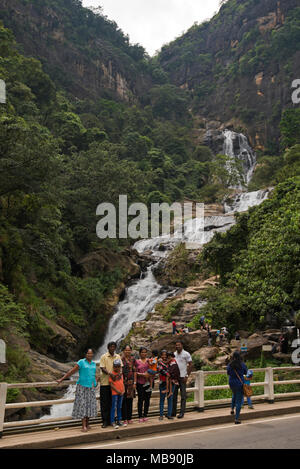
(61, 156)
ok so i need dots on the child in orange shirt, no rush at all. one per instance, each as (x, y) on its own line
(152, 371)
(117, 390)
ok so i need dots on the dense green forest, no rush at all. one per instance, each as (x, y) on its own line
(60, 158)
(62, 154)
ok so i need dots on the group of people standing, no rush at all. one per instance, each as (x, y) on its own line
(123, 377)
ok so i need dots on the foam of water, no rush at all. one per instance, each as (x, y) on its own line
(244, 153)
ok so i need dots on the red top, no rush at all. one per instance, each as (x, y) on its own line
(141, 368)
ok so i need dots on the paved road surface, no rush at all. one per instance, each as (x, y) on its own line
(269, 433)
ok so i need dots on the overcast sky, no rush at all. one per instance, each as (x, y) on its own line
(153, 23)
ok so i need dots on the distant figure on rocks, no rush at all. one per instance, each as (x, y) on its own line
(236, 371)
(237, 336)
(185, 363)
(225, 332)
(174, 326)
(202, 319)
(85, 404)
(283, 341)
(106, 367)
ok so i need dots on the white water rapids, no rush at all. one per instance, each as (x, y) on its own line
(143, 294)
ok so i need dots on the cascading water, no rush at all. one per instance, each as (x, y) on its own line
(236, 146)
(140, 299)
(243, 201)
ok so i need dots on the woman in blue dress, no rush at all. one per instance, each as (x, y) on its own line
(236, 371)
(85, 404)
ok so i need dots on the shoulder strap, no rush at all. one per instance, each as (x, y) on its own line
(238, 376)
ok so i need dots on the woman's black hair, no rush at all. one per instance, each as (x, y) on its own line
(127, 345)
(143, 348)
(236, 360)
(155, 352)
(171, 354)
(87, 349)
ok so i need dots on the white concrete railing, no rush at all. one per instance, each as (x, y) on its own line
(198, 390)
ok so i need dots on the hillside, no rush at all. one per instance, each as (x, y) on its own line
(239, 66)
(82, 51)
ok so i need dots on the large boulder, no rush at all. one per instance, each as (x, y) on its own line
(105, 260)
(191, 342)
(62, 342)
(283, 357)
(254, 345)
(222, 361)
(244, 334)
(272, 334)
(206, 354)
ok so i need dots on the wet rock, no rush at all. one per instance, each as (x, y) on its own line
(254, 345)
(191, 342)
(206, 354)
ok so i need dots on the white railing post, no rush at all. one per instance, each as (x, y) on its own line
(199, 390)
(269, 386)
(3, 394)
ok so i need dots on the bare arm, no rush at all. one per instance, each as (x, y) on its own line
(68, 374)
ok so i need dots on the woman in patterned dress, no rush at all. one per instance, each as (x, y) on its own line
(85, 404)
(129, 374)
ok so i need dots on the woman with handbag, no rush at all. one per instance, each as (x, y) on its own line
(236, 371)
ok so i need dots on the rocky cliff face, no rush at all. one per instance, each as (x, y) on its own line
(239, 66)
(81, 51)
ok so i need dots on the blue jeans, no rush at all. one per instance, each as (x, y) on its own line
(162, 387)
(237, 399)
(116, 407)
(249, 402)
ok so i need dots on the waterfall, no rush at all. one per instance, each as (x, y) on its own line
(243, 201)
(236, 146)
(140, 299)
